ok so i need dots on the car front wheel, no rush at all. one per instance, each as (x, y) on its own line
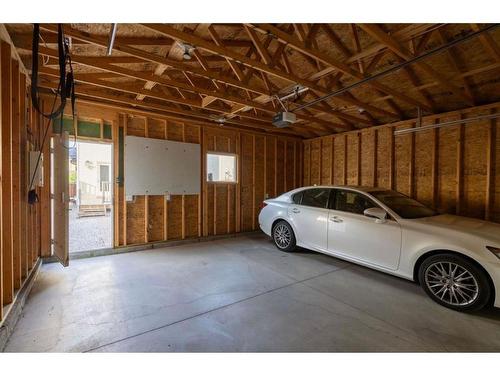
(455, 282)
(283, 236)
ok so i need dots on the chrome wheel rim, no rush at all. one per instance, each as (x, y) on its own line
(452, 283)
(282, 236)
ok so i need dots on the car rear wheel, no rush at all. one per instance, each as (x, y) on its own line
(455, 282)
(283, 236)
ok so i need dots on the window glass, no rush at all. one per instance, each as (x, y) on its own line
(221, 168)
(315, 197)
(351, 201)
(297, 197)
(404, 206)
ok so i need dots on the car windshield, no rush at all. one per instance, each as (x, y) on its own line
(404, 206)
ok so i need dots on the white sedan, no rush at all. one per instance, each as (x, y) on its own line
(455, 259)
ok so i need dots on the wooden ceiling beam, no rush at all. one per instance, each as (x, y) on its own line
(453, 59)
(213, 48)
(80, 90)
(465, 74)
(159, 70)
(340, 66)
(489, 43)
(264, 54)
(367, 70)
(154, 58)
(401, 35)
(50, 38)
(330, 33)
(321, 108)
(148, 77)
(129, 87)
(232, 64)
(378, 34)
(144, 76)
(357, 45)
(157, 112)
(299, 30)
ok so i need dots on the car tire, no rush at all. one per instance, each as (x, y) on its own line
(455, 282)
(283, 236)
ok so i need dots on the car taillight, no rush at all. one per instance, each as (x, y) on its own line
(262, 205)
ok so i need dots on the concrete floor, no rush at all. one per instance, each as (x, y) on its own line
(238, 294)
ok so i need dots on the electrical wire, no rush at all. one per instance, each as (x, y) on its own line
(49, 122)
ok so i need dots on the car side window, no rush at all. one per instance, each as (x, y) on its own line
(297, 197)
(351, 201)
(315, 197)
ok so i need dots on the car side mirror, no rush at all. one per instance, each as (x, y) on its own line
(379, 214)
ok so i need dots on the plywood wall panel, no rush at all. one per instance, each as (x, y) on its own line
(495, 170)
(339, 160)
(247, 181)
(175, 131)
(280, 167)
(315, 162)
(367, 155)
(156, 218)
(119, 212)
(191, 215)
(299, 148)
(136, 220)
(223, 143)
(307, 164)
(259, 178)
(136, 126)
(192, 133)
(383, 157)
(402, 159)
(290, 166)
(447, 167)
(326, 160)
(231, 208)
(474, 173)
(221, 209)
(174, 217)
(423, 166)
(270, 167)
(352, 159)
(156, 128)
(454, 170)
(210, 209)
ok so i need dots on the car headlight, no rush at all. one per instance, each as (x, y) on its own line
(494, 250)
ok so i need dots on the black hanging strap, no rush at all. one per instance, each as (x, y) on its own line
(66, 88)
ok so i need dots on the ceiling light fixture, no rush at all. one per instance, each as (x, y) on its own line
(187, 48)
(186, 55)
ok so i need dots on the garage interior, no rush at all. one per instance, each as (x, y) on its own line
(409, 107)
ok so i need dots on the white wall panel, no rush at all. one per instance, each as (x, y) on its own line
(159, 167)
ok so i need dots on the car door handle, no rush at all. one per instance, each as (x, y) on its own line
(296, 211)
(336, 219)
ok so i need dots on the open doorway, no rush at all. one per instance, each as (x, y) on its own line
(91, 196)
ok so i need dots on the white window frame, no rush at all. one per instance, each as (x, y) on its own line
(222, 154)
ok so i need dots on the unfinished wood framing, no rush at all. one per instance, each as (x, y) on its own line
(455, 169)
(20, 242)
(221, 208)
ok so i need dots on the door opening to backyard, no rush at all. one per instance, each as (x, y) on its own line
(90, 196)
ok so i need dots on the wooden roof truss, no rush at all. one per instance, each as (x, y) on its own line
(237, 71)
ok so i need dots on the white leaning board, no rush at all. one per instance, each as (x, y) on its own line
(160, 167)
